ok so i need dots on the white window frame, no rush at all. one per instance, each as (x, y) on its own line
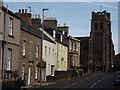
(70, 45)
(23, 47)
(36, 72)
(77, 46)
(76, 60)
(54, 32)
(10, 26)
(73, 61)
(73, 46)
(53, 52)
(52, 70)
(45, 50)
(49, 51)
(23, 72)
(9, 58)
(61, 38)
(37, 51)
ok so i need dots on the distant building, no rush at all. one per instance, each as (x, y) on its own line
(101, 40)
(117, 57)
(74, 53)
(84, 50)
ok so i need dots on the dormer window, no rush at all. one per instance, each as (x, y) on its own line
(61, 37)
(54, 33)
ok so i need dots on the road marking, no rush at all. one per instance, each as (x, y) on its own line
(99, 81)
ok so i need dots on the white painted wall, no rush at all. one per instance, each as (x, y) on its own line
(62, 52)
(49, 56)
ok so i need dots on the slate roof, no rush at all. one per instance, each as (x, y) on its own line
(65, 39)
(34, 31)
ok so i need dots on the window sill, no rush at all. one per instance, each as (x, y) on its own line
(11, 36)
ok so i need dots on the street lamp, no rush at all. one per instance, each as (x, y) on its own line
(42, 43)
(43, 29)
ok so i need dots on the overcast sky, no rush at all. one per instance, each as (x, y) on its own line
(76, 15)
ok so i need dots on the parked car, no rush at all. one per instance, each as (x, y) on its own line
(117, 78)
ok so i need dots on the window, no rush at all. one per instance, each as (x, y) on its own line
(52, 70)
(11, 26)
(54, 33)
(73, 46)
(95, 26)
(37, 51)
(45, 50)
(23, 72)
(23, 47)
(49, 51)
(9, 59)
(70, 60)
(77, 46)
(101, 25)
(36, 73)
(53, 53)
(61, 38)
(76, 60)
(73, 61)
(70, 45)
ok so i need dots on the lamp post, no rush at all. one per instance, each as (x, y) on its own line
(42, 43)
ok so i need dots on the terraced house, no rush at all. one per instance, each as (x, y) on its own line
(61, 46)
(9, 36)
(30, 49)
(74, 54)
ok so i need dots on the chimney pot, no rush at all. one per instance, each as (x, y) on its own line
(19, 10)
(22, 10)
(35, 16)
(25, 10)
(38, 16)
(58, 25)
(32, 16)
(64, 24)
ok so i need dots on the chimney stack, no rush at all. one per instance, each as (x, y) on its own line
(25, 16)
(51, 21)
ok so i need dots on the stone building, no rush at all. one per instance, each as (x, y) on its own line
(9, 43)
(101, 40)
(74, 53)
(84, 50)
(30, 51)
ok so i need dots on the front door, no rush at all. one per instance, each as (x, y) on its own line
(29, 74)
(43, 75)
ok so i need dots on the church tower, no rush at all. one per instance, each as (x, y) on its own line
(101, 40)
